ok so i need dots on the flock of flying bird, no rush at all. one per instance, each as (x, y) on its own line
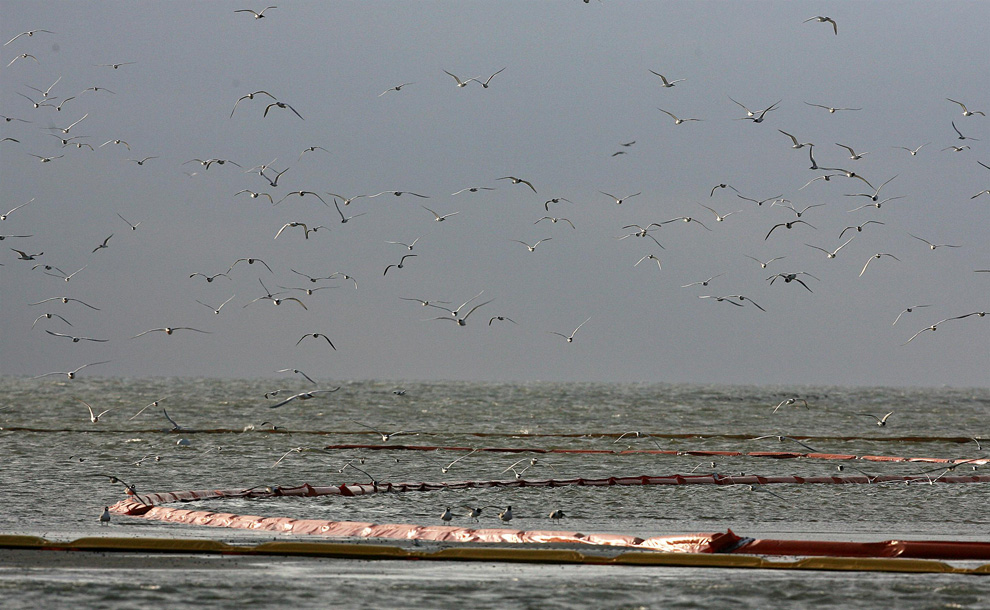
(50, 103)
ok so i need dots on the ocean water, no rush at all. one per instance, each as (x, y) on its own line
(56, 464)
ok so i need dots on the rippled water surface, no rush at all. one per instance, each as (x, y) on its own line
(55, 460)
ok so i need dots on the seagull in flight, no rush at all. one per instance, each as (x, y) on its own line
(28, 33)
(533, 247)
(438, 217)
(959, 133)
(833, 252)
(250, 96)
(620, 200)
(4, 216)
(852, 153)
(385, 435)
(71, 374)
(667, 83)
(395, 88)
(303, 396)
(820, 19)
(257, 15)
(461, 83)
(913, 151)
(570, 338)
(966, 111)
(76, 339)
(786, 225)
(764, 264)
(677, 121)
(400, 264)
(485, 84)
(881, 421)
(908, 310)
(873, 258)
(298, 372)
(168, 330)
(518, 181)
(279, 104)
(795, 140)
(831, 109)
(93, 416)
(933, 246)
(463, 321)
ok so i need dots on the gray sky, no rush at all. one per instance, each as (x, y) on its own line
(576, 85)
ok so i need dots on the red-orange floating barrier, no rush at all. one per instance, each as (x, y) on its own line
(691, 452)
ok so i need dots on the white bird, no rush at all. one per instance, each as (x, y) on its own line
(93, 416)
(506, 515)
(831, 109)
(438, 217)
(687, 219)
(764, 264)
(446, 468)
(913, 151)
(876, 205)
(65, 300)
(795, 140)
(215, 310)
(554, 220)
(819, 19)
(303, 396)
(832, 254)
(620, 200)
(4, 216)
(652, 257)
(518, 181)
(75, 339)
(956, 148)
(345, 219)
(570, 338)
(385, 435)
(23, 56)
(876, 192)
(71, 374)
(298, 372)
(462, 321)
(473, 189)
(873, 258)
(908, 310)
(395, 88)
(881, 421)
(556, 515)
(703, 282)
(485, 84)
(784, 203)
(257, 15)
(278, 104)
(249, 96)
(142, 161)
(291, 225)
(105, 517)
(533, 247)
(756, 117)
(790, 401)
(28, 33)
(461, 83)
(677, 121)
(116, 66)
(719, 217)
(49, 316)
(667, 83)
(852, 153)
(168, 330)
(132, 226)
(966, 111)
(933, 246)
(446, 516)
(408, 246)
